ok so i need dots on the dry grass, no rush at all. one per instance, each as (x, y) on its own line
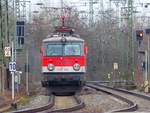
(23, 100)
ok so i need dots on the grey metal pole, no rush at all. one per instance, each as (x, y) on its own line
(148, 57)
(27, 72)
(7, 21)
(146, 65)
(13, 74)
(1, 46)
(13, 54)
(146, 77)
(30, 12)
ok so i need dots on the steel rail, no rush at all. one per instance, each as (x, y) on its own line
(132, 106)
(47, 106)
(80, 105)
(147, 97)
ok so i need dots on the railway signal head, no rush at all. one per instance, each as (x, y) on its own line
(139, 34)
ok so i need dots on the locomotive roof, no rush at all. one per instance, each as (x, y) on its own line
(59, 39)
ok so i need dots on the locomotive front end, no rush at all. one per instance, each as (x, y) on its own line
(63, 63)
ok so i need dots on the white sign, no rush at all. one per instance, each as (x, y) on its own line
(108, 76)
(7, 51)
(115, 66)
(12, 66)
(16, 78)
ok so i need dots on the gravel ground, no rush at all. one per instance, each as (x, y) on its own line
(36, 101)
(64, 102)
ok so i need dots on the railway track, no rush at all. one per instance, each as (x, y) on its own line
(126, 91)
(142, 101)
(51, 104)
(131, 105)
(77, 104)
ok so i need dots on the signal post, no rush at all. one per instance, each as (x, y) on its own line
(147, 60)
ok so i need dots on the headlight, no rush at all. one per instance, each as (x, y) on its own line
(51, 67)
(63, 40)
(76, 67)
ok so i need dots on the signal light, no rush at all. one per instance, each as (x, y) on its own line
(139, 35)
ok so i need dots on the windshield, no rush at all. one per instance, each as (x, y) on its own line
(72, 49)
(68, 49)
(54, 50)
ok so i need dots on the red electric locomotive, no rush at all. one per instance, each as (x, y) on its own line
(63, 61)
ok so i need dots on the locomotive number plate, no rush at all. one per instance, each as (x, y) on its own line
(60, 69)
